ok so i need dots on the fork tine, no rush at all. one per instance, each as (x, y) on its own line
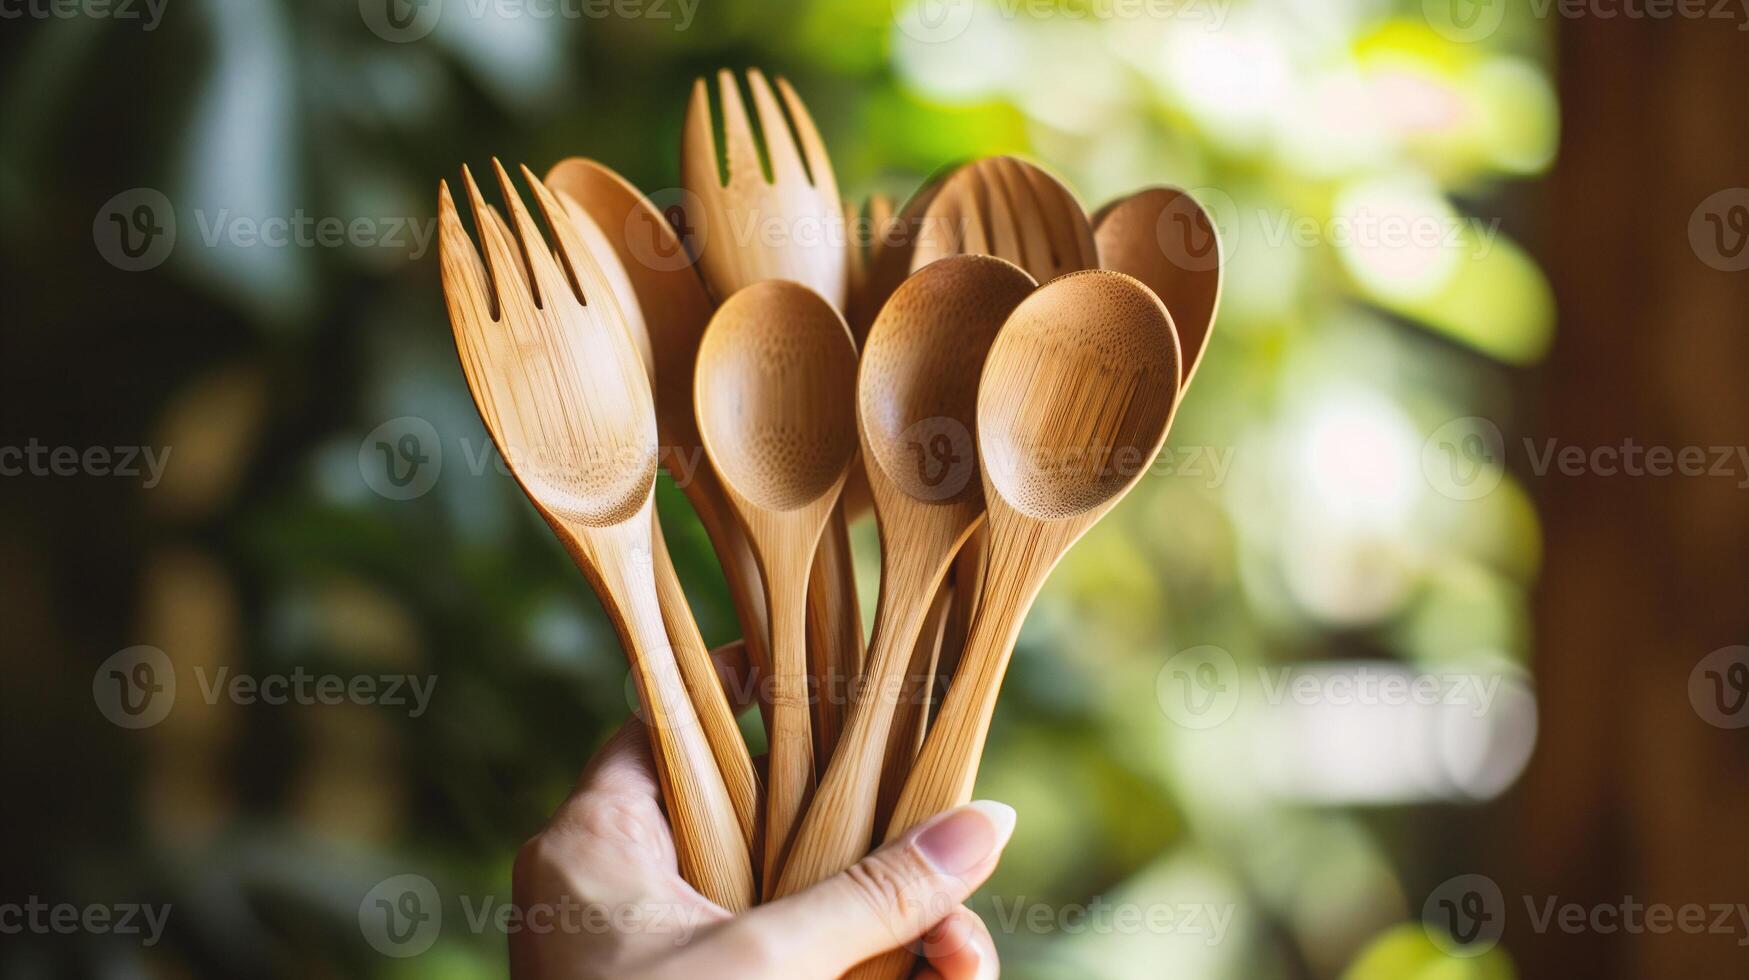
(1023, 221)
(546, 278)
(698, 142)
(502, 263)
(465, 288)
(743, 152)
(585, 269)
(780, 143)
(813, 147)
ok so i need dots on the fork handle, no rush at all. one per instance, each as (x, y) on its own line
(713, 855)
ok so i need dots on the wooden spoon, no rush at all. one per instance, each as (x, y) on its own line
(1074, 404)
(607, 212)
(916, 400)
(1014, 210)
(563, 393)
(788, 226)
(772, 372)
(1164, 238)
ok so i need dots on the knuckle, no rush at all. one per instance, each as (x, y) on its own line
(884, 883)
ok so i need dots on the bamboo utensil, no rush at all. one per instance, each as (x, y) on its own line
(916, 400)
(669, 301)
(1014, 210)
(1163, 237)
(1075, 401)
(790, 226)
(769, 392)
(561, 389)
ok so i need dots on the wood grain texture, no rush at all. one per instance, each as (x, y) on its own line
(1165, 239)
(772, 370)
(916, 412)
(673, 309)
(1075, 402)
(685, 316)
(789, 226)
(916, 698)
(1014, 210)
(562, 391)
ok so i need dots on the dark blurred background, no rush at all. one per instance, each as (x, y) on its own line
(1420, 655)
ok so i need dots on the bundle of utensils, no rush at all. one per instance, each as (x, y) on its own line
(987, 367)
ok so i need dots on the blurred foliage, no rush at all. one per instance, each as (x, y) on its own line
(1296, 523)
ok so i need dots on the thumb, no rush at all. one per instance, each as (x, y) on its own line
(887, 899)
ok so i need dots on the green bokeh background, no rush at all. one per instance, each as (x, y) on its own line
(1299, 519)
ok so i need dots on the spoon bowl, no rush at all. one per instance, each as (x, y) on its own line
(1164, 238)
(1071, 401)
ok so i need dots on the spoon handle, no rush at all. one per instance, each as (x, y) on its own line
(704, 490)
(706, 691)
(835, 650)
(712, 854)
(838, 824)
(791, 774)
(911, 718)
(946, 769)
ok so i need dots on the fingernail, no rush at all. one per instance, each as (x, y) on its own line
(960, 841)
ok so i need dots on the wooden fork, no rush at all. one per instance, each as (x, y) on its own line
(790, 226)
(564, 395)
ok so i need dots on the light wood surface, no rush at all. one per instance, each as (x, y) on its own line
(1163, 237)
(772, 370)
(789, 226)
(916, 698)
(605, 210)
(1075, 402)
(916, 407)
(565, 396)
(1014, 210)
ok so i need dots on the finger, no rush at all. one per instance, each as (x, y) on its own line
(886, 900)
(959, 947)
(736, 674)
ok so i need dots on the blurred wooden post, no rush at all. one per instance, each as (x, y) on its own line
(1631, 793)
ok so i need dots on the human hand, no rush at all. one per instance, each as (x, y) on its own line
(600, 893)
